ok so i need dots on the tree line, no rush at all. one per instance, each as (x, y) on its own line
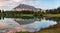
(53, 11)
(21, 13)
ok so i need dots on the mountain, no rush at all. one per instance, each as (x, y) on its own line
(24, 7)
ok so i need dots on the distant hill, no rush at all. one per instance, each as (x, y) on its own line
(24, 7)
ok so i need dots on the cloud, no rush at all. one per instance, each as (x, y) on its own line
(44, 4)
(7, 2)
(4, 4)
(17, 0)
(1, 3)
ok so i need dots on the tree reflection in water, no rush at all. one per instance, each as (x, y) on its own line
(57, 19)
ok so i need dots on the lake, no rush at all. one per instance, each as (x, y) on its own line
(12, 25)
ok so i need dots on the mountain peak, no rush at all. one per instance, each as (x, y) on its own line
(25, 7)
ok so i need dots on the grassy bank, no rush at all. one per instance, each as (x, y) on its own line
(26, 14)
(52, 29)
(19, 15)
(52, 15)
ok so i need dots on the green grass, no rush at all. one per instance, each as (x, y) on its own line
(26, 14)
(21, 32)
(52, 15)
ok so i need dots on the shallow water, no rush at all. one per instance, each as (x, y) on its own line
(31, 25)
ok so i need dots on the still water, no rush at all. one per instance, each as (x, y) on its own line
(11, 25)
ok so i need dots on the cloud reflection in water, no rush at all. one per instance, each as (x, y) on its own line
(9, 26)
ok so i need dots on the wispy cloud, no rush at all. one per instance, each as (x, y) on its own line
(13, 3)
(44, 4)
(7, 2)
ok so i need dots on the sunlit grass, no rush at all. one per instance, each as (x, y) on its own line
(52, 15)
(21, 32)
(26, 14)
(52, 29)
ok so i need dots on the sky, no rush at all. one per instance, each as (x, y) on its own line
(43, 4)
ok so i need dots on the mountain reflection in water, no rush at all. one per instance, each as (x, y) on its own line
(11, 25)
